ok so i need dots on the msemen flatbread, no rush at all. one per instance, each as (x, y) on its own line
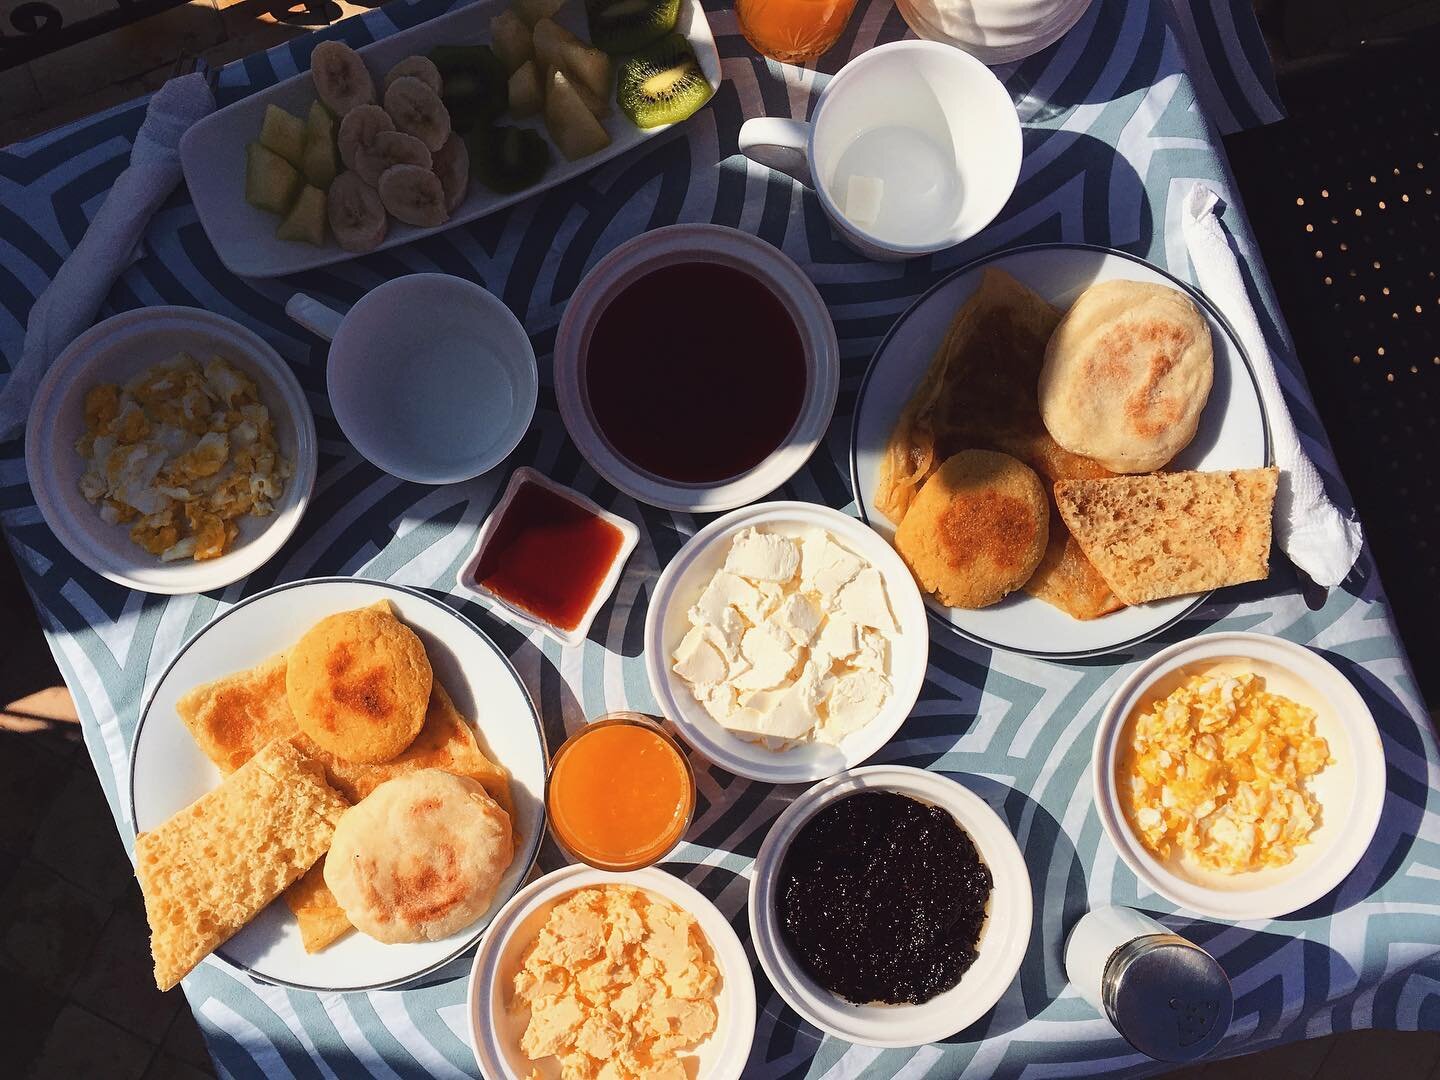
(1171, 534)
(232, 718)
(980, 392)
(212, 867)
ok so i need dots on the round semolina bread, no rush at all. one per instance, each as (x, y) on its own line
(1126, 375)
(420, 857)
(977, 530)
(358, 683)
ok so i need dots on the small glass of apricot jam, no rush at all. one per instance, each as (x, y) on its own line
(620, 793)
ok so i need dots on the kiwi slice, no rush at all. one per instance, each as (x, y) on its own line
(624, 26)
(662, 84)
(507, 159)
(473, 84)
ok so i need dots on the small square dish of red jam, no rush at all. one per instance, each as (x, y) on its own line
(549, 555)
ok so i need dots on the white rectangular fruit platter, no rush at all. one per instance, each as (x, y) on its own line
(213, 151)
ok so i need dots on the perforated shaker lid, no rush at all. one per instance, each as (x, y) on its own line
(1168, 997)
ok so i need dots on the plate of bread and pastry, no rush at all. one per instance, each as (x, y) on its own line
(1066, 446)
(335, 786)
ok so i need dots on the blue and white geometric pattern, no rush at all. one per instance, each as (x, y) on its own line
(1112, 129)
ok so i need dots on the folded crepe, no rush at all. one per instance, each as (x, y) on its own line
(980, 392)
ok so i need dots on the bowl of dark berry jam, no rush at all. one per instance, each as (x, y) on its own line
(696, 368)
(890, 906)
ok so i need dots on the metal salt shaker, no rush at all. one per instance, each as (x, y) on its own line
(1168, 997)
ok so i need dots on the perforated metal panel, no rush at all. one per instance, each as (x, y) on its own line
(1345, 200)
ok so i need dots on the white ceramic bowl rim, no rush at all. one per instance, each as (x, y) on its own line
(812, 761)
(495, 323)
(1004, 159)
(684, 243)
(108, 549)
(736, 1020)
(1003, 940)
(1362, 816)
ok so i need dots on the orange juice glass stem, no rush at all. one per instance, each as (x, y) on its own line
(621, 793)
(793, 31)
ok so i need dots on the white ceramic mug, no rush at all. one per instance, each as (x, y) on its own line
(430, 377)
(913, 147)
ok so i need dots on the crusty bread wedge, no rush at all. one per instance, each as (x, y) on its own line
(212, 867)
(1170, 534)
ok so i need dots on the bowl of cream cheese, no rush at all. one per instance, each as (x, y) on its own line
(786, 641)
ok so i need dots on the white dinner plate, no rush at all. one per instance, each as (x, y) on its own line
(680, 585)
(115, 351)
(1232, 435)
(495, 1029)
(1000, 949)
(212, 152)
(168, 771)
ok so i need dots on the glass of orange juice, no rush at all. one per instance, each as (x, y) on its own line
(793, 31)
(620, 793)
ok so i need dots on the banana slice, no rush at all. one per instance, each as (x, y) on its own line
(414, 195)
(452, 165)
(390, 148)
(341, 78)
(416, 67)
(358, 130)
(417, 110)
(357, 216)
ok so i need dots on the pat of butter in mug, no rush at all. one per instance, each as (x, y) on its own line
(790, 639)
(862, 199)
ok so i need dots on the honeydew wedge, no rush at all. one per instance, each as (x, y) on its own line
(526, 96)
(588, 66)
(511, 39)
(322, 160)
(271, 182)
(283, 134)
(550, 41)
(599, 106)
(306, 220)
(571, 124)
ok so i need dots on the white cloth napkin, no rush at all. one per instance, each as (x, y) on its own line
(68, 305)
(1311, 530)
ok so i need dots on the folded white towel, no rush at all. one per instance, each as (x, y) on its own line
(69, 304)
(1311, 530)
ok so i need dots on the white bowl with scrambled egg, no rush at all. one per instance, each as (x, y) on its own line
(786, 641)
(1239, 775)
(257, 451)
(500, 1018)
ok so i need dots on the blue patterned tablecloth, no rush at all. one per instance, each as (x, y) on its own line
(1112, 134)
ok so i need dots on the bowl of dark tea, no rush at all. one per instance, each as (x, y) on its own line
(696, 368)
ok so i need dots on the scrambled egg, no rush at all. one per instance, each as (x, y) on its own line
(178, 454)
(1218, 770)
(617, 984)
